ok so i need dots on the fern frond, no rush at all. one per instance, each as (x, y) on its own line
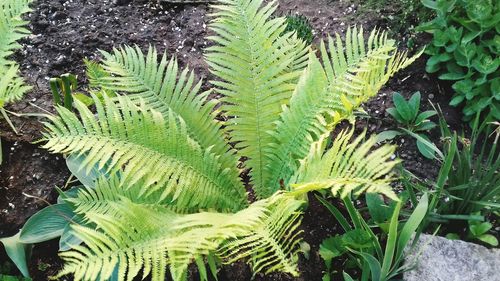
(253, 62)
(109, 190)
(12, 87)
(148, 148)
(327, 95)
(134, 238)
(12, 26)
(164, 88)
(347, 167)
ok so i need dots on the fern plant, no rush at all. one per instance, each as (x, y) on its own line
(168, 191)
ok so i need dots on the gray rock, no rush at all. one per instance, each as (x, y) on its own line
(441, 259)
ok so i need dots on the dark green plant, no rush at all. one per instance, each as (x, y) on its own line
(411, 121)
(301, 25)
(465, 49)
(363, 246)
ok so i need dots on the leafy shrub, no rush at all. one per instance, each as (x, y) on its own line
(161, 183)
(301, 25)
(466, 50)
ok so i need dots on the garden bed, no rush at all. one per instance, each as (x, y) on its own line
(66, 32)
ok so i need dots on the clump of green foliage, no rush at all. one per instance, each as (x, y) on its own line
(161, 187)
(411, 121)
(467, 190)
(301, 25)
(361, 244)
(465, 49)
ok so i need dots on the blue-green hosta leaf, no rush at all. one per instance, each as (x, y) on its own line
(18, 252)
(68, 238)
(47, 224)
(87, 178)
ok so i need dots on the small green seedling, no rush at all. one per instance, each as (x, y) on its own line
(411, 122)
(478, 230)
(64, 91)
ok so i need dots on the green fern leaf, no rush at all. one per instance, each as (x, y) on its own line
(348, 167)
(149, 148)
(253, 61)
(134, 238)
(163, 88)
(12, 87)
(327, 95)
(12, 26)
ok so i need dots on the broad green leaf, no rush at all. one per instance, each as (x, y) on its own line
(426, 150)
(377, 208)
(68, 238)
(457, 99)
(453, 236)
(412, 225)
(452, 76)
(489, 239)
(480, 228)
(425, 126)
(394, 113)
(357, 239)
(74, 163)
(373, 263)
(390, 247)
(424, 115)
(331, 248)
(47, 224)
(426, 142)
(387, 135)
(18, 252)
(402, 107)
(414, 104)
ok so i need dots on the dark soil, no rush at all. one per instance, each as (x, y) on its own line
(66, 32)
